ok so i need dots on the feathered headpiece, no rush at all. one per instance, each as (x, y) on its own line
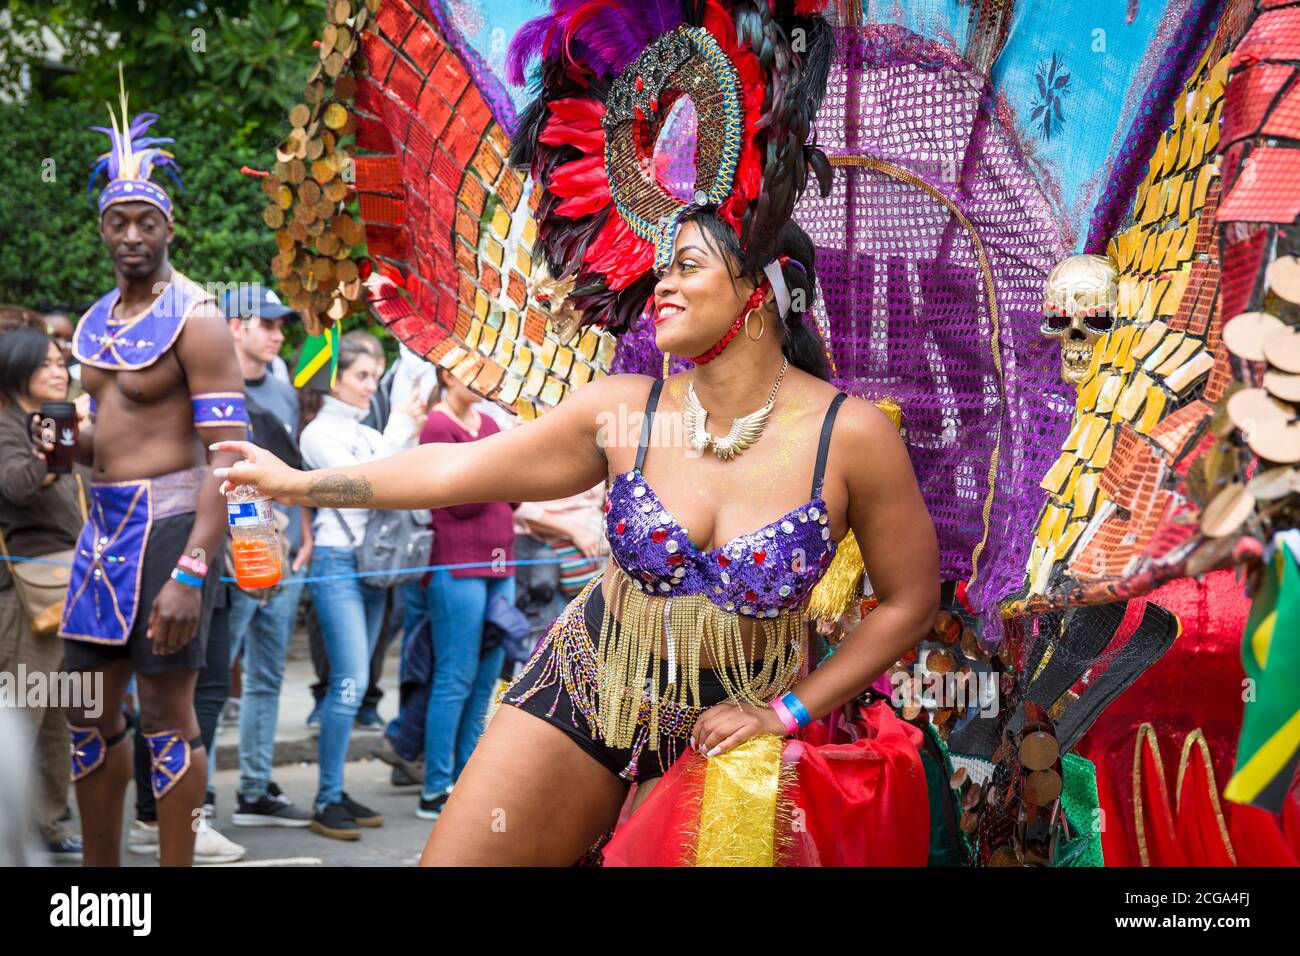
(132, 159)
(611, 71)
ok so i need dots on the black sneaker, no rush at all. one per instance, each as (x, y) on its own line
(67, 850)
(400, 778)
(334, 821)
(362, 814)
(269, 810)
(368, 719)
(432, 809)
(408, 769)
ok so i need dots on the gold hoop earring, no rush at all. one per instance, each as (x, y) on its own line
(762, 325)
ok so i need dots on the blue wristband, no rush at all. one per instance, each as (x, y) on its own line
(193, 580)
(797, 710)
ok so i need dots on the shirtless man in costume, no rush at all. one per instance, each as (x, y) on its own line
(159, 364)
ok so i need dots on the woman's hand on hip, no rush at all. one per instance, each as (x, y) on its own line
(729, 724)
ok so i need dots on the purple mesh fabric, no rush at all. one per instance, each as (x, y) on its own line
(904, 299)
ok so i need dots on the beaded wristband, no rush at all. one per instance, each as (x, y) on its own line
(192, 564)
(186, 578)
(787, 718)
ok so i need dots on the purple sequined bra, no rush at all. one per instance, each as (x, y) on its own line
(760, 573)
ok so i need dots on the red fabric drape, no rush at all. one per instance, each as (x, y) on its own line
(865, 802)
(858, 803)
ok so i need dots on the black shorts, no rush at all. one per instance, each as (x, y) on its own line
(167, 540)
(556, 707)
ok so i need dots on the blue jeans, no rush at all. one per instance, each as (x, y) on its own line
(260, 636)
(415, 605)
(350, 616)
(463, 677)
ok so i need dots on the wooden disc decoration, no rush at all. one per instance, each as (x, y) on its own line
(1282, 349)
(1277, 441)
(1283, 386)
(1042, 787)
(1251, 407)
(335, 115)
(315, 258)
(1283, 278)
(1274, 483)
(1228, 511)
(1039, 751)
(1244, 336)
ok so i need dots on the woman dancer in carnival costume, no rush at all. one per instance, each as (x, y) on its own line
(694, 636)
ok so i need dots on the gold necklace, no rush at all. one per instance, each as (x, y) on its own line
(744, 431)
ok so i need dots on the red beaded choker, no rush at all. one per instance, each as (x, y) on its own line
(754, 302)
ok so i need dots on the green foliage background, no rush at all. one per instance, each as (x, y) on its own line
(53, 254)
(222, 76)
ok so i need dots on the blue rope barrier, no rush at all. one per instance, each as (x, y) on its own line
(356, 574)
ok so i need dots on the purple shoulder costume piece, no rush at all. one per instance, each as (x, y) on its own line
(135, 342)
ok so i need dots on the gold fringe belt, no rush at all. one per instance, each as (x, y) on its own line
(638, 627)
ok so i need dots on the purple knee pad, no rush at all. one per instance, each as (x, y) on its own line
(170, 757)
(89, 749)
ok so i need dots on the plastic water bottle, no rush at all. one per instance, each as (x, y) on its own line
(254, 540)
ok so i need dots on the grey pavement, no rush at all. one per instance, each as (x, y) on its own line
(295, 742)
(398, 842)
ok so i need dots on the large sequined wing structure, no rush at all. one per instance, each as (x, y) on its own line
(450, 226)
(1153, 481)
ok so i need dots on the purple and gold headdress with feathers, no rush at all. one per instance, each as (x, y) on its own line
(132, 159)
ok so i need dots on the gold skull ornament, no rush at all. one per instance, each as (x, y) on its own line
(1078, 309)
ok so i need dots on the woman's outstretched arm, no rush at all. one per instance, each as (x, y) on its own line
(554, 456)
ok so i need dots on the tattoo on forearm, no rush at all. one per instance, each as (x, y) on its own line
(340, 491)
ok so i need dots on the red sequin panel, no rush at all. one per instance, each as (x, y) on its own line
(1267, 188)
(1275, 35)
(1284, 121)
(1246, 100)
(1241, 264)
(378, 174)
(1108, 552)
(1220, 375)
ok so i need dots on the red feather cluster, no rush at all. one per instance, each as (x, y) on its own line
(617, 254)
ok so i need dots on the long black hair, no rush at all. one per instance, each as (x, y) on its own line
(799, 343)
(22, 353)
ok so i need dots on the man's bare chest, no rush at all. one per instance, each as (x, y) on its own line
(159, 382)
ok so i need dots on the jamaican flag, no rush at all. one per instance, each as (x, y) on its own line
(318, 362)
(1269, 747)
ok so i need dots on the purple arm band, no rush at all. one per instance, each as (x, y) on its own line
(215, 409)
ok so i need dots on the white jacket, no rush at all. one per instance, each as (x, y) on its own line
(336, 438)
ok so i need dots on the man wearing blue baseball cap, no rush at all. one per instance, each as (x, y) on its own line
(260, 623)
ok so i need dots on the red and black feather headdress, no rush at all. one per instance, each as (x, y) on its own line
(611, 71)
